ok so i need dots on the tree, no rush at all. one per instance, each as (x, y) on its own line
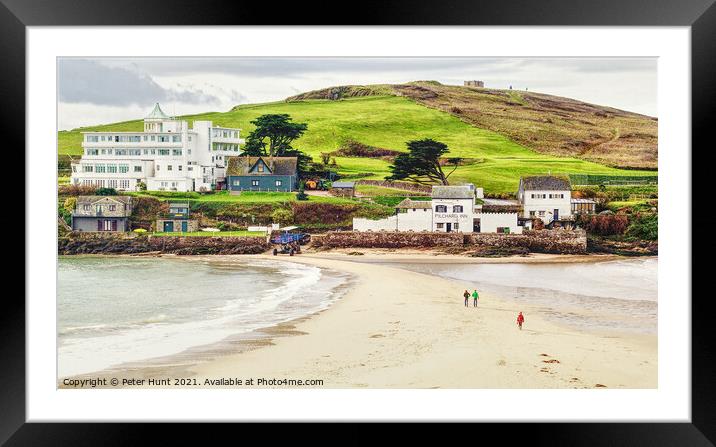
(421, 164)
(280, 132)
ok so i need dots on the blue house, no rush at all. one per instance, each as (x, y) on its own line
(261, 174)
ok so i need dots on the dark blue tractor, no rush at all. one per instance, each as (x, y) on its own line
(288, 242)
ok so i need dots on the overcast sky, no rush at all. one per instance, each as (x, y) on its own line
(106, 90)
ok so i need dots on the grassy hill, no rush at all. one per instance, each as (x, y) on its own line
(376, 116)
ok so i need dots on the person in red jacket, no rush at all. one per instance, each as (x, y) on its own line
(520, 320)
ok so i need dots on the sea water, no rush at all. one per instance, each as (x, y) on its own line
(113, 310)
(619, 295)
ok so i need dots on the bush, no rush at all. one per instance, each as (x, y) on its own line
(142, 186)
(605, 225)
(301, 195)
(70, 204)
(282, 216)
(76, 190)
(139, 230)
(106, 192)
(644, 227)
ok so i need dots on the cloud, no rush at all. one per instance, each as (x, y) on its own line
(88, 81)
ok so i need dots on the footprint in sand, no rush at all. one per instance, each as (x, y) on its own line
(599, 385)
(544, 355)
(377, 336)
(501, 362)
(550, 361)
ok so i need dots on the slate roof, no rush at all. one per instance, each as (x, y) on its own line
(407, 203)
(452, 192)
(545, 183)
(238, 165)
(343, 185)
(92, 199)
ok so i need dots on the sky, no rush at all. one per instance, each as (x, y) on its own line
(106, 90)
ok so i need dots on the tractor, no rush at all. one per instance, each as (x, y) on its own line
(288, 242)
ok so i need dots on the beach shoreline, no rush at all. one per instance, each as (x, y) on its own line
(399, 329)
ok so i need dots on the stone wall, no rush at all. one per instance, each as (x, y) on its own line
(540, 241)
(536, 241)
(93, 243)
(385, 239)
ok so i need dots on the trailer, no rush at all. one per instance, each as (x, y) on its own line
(288, 242)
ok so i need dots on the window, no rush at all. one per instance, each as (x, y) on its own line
(441, 209)
(169, 167)
(87, 168)
(112, 168)
(92, 138)
(180, 167)
(158, 167)
(279, 182)
(86, 207)
(440, 226)
(137, 169)
(124, 184)
(176, 152)
(90, 151)
(189, 168)
(120, 152)
(176, 138)
(123, 169)
(456, 225)
(237, 182)
(113, 207)
(163, 151)
(457, 209)
(532, 214)
(260, 167)
(254, 183)
(99, 168)
(541, 214)
(533, 196)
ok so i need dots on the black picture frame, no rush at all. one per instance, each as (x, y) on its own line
(700, 15)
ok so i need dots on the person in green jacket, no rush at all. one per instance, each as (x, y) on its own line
(475, 296)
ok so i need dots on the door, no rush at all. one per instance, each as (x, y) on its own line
(556, 214)
(168, 226)
(448, 227)
(184, 226)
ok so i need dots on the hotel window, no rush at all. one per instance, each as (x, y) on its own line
(137, 169)
(279, 182)
(145, 138)
(87, 168)
(112, 168)
(176, 138)
(123, 169)
(153, 138)
(163, 151)
(457, 209)
(441, 209)
(99, 168)
(541, 214)
(254, 183)
(169, 167)
(180, 166)
(92, 138)
(236, 134)
(113, 207)
(189, 168)
(440, 226)
(86, 207)
(74, 168)
(533, 196)
(456, 226)
(124, 184)
(90, 151)
(120, 152)
(158, 167)
(176, 152)
(532, 214)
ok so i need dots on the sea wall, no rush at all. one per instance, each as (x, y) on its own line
(537, 241)
(385, 239)
(95, 243)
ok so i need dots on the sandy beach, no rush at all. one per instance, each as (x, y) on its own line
(399, 329)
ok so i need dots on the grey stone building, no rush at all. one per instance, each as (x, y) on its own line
(102, 213)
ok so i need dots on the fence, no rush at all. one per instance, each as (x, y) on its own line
(612, 180)
(396, 185)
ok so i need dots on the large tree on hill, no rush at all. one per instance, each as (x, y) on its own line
(421, 164)
(273, 135)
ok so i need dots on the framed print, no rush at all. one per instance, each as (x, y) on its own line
(449, 215)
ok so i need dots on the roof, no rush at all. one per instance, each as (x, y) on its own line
(501, 209)
(157, 113)
(238, 165)
(583, 201)
(343, 184)
(500, 202)
(453, 192)
(545, 183)
(92, 199)
(407, 203)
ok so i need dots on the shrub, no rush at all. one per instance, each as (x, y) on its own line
(76, 190)
(282, 216)
(139, 230)
(301, 195)
(142, 186)
(606, 224)
(352, 148)
(644, 226)
(106, 192)
(70, 204)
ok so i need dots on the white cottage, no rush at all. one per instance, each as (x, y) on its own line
(547, 197)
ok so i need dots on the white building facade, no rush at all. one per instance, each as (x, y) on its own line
(166, 156)
(546, 197)
(451, 209)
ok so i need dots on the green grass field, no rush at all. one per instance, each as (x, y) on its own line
(244, 197)
(389, 122)
(214, 233)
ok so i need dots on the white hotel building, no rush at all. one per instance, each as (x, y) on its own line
(166, 156)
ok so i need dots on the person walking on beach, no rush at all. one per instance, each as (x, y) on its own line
(520, 320)
(475, 296)
(467, 297)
